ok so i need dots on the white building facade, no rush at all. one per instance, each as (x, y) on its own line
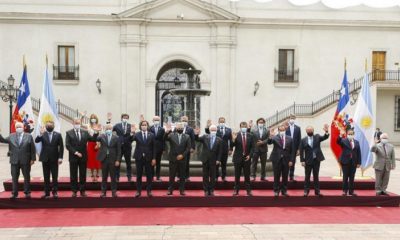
(256, 58)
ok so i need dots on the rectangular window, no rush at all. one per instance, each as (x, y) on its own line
(66, 68)
(397, 114)
(286, 71)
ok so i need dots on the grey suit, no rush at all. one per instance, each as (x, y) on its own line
(177, 148)
(22, 152)
(260, 152)
(109, 153)
(384, 162)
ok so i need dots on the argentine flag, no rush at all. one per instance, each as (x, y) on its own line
(48, 108)
(364, 124)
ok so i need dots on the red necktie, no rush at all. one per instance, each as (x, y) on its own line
(244, 144)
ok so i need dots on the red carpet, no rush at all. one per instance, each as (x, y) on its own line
(195, 216)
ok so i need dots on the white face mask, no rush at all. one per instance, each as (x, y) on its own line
(156, 123)
(222, 124)
(19, 130)
(244, 130)
(260, 125)
(350, 137)
(93, 120)
(291, 121)
(384, 140)
(282, 133)
(124, 120)
(213, 133)
(109, 132)
(77, 126)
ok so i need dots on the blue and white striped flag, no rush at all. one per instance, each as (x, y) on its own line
(364, 124)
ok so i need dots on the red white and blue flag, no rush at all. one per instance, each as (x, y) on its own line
(341, 120)
(23, 110)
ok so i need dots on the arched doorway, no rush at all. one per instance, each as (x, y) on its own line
(169, 107)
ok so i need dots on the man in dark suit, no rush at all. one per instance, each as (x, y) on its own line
(244, 147)
(294, 132)
(109, 155)
(21, 148)
(311, 157)
(51, 156)
(225, 134)
(210, 158)
(261, 135)
(377, 134)
(76, 141)
(282, 157)
(145, 157)
(179, 148)
(350, 160)
(189, 131)
(159, 145)
(123, 131)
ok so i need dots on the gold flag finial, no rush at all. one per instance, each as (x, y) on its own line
(47, 60)
(366, 65)
(345, 64)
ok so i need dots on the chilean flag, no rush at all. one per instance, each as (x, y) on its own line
(23, 110)
(341, 119)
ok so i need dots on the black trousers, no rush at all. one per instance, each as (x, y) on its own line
(108, 169)
(349, 171)
(245, 166)
(187, 166)
(76, 167)
(292, 168)
(26, 172)
(209, 175)
(224, 160)
(50, 167)
(140, 165)
(314, 168)
(174, 167)
(157, 168)
(254, 162)
(127, 154)
(280, 169)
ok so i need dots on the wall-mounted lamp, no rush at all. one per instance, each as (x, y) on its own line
(98, 85)
(256, 87)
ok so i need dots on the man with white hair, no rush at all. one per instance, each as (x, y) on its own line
(210, 157)
(22, 155)
(179, 149)
(384, 163)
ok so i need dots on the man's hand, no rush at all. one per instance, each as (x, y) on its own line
(290, 164)
(153, 162)
(141, 118)
(59, 161)
(32, 162)
(179, 157)
(247, 158)
(230, 152)
(358, 165)
(271, 132)
(109, 116)
(97, 128)
(326, 128)
(209, 122)
(191, 150)
(218, 163)
(133, 128)
(197, 131)
(259, 143)
(298, 153)
(117, 163)
(78, 154)
(42, 130)
(303, 164)
(342, 133)
(168, 127)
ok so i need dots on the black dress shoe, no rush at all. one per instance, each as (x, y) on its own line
(55, 195)
(378, 193)
(187, 179)
(306, 193)
(264, 179)
(83, 194)
(158, 180)
(28, 196)
(344, 194)
(103, 195)
(13, 196)
(114, 195)
(138, 194)
(285, 194)
(292, 180)
(169, 192)
(211, 194)
(149, 194)
(206, 194)
(45, 196)
(318, 194)
(249, 193)
(73, 194)
(235, 192)
(353, 194)
(224, 180)
(253, 179)
(276, 194)
(129, 179)
(182, 193)
(384, 193)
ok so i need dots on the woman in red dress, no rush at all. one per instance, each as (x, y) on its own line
(92, 147)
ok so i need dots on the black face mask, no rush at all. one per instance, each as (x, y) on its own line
(49, 128)
(180, 131)
(310, 134)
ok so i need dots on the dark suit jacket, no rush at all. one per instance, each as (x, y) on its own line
(279, 153)
(306, 151)
(51, 151)
(238, 154)
(159, 141)
(189, 131)
(226, 138)
(296, 136)
(264, 138)
(210, 155)
(114, 148)
(175, 148)
(124, 138)
(143, 148)
(349, 155)
(73, 144)
(22, 153)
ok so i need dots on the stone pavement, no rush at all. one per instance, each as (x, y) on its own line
(254, 231)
